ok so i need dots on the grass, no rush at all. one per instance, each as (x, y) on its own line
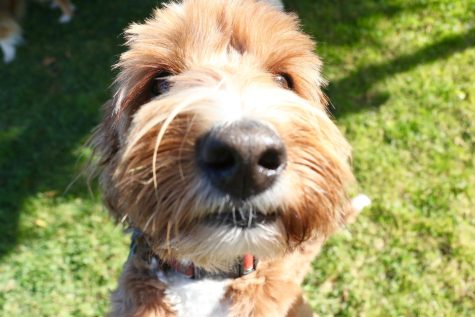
(402, 84)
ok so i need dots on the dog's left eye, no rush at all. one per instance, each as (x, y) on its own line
(284, 80)
(161, 84)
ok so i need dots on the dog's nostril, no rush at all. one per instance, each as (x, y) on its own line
(271, 159)
(218, 156)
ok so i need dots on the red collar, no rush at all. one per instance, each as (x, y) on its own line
(246, 265)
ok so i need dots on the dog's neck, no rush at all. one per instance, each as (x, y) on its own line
(243, 266)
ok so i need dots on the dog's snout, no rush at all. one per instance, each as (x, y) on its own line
(242, 159)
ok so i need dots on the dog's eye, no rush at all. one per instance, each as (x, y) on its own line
(284, 80)
(160, 84)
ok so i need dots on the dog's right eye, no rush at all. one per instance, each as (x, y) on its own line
(160, 84)
(284, 80)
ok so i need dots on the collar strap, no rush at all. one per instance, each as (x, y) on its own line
(244, 265)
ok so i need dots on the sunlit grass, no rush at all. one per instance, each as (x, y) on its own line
(402, 83)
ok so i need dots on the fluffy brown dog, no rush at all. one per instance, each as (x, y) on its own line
(218, 150)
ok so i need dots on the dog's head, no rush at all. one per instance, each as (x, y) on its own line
(217, 141)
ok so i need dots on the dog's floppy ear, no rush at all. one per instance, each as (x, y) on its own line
(105, 141)
(106, 144)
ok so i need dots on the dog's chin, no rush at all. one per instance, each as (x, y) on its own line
(219, 239)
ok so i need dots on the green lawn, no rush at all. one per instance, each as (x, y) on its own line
(402, 79)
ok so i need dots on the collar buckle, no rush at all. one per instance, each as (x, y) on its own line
(248, 265)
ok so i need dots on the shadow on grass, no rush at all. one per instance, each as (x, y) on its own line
(356, 86)
(343, 23)
(50, 98)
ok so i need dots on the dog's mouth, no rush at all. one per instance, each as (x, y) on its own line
(245, 218)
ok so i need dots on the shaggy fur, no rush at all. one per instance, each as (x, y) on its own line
(223, 56)
(11, 12)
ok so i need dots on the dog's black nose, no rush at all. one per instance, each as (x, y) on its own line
(242, 159)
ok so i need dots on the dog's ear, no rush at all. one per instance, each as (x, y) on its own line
(105, 140)
(105, 144)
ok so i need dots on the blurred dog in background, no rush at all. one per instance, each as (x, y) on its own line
(11, 12)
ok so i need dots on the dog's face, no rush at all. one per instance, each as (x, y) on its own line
(217, 142)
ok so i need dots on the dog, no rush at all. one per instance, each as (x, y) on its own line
(11, 12)
(218, 152)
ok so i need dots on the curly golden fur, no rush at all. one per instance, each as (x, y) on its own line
(223, 56)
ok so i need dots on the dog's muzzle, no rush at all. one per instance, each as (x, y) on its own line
(242, 159)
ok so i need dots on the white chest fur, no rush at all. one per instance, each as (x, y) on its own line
(196, 298)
